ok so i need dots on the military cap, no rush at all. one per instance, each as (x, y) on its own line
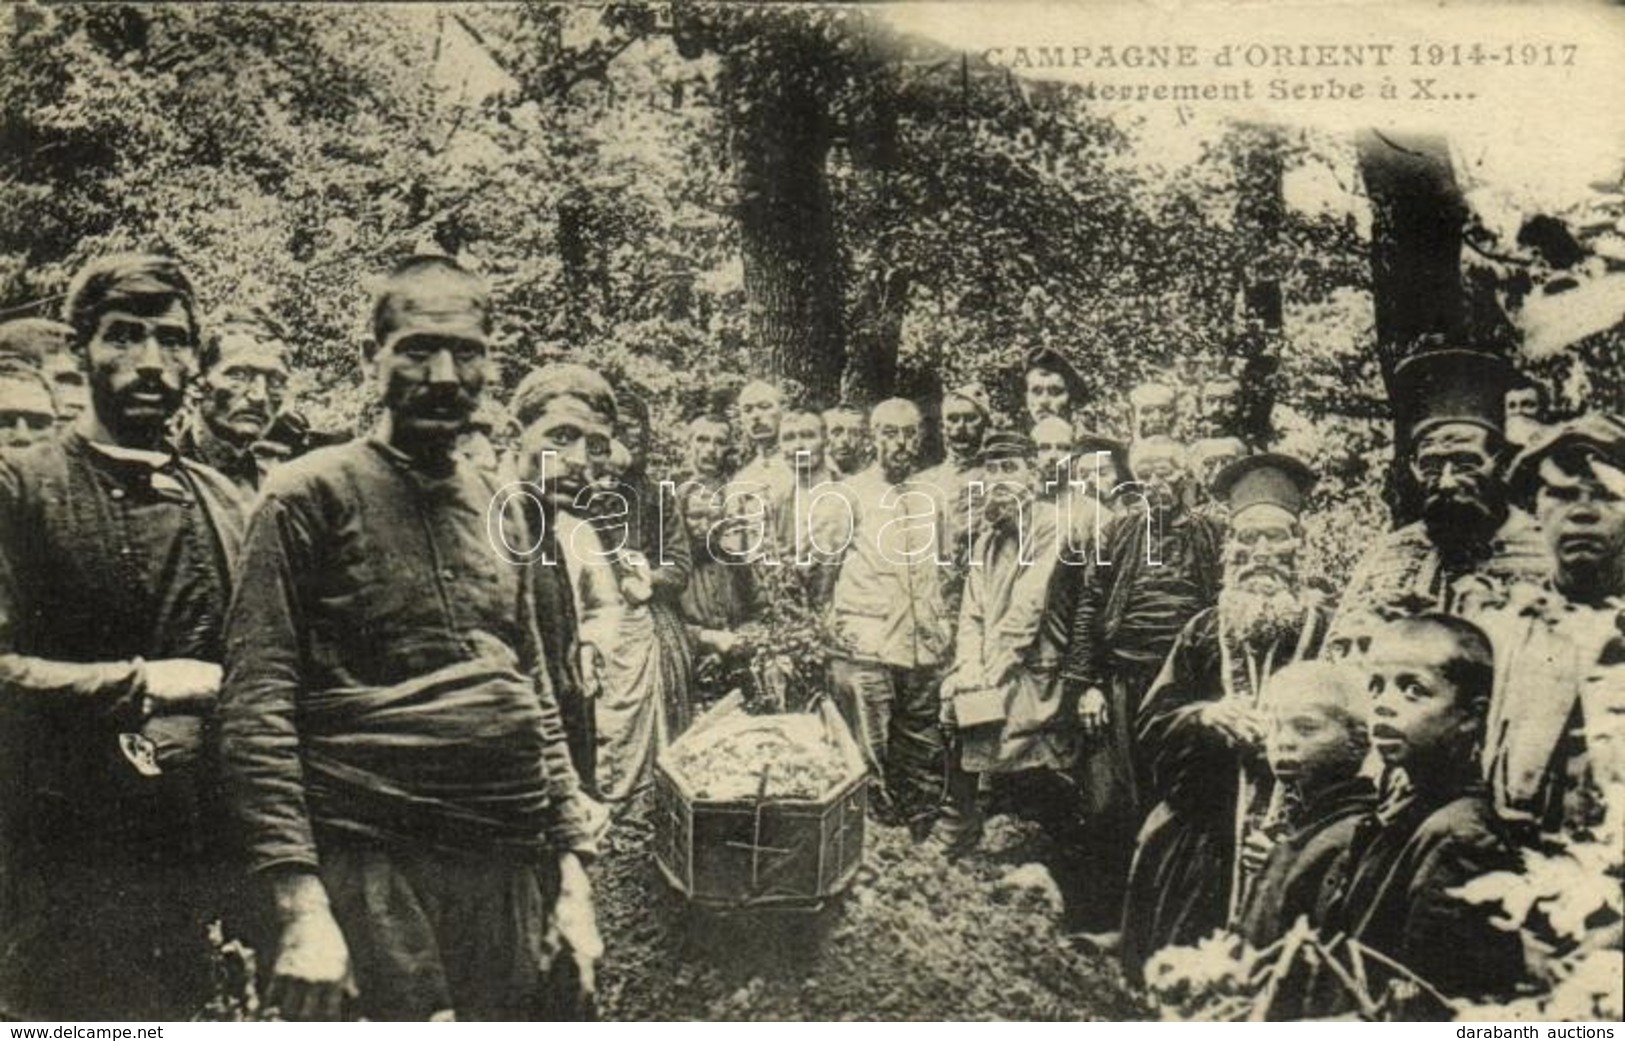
(1591, 435)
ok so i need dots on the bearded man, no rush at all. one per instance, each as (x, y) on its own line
(1559, 667)
(115, 566)
(244, 383)
(1218, 410)
(1200, 728)
(1155, 568)
(1471, 544)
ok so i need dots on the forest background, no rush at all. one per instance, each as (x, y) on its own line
(684, 194)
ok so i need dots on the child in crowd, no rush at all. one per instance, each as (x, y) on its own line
(1315, 741)
(1430, 682)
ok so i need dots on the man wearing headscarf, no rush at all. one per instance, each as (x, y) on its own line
(1471, 544)
(116, 560)
(244, 382)
(393, 746)
(1199, 731)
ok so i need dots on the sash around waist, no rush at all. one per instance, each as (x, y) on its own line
(452, 759)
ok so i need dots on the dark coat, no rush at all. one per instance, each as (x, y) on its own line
(1289, 885)
(1392, 892)
(1179, 884)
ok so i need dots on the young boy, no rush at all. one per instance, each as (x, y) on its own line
(1315, 742)
(1430, 682)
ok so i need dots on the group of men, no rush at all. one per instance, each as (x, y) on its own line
(309, 695)
(1120, 639)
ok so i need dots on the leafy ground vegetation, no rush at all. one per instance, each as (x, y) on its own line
(916, 937)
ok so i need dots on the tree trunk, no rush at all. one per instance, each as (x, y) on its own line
(781, 139)
(1261, 220)
(875, 317)
(1417, 218)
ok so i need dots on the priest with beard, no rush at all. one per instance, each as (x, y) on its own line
(1200, 728)
(1470, 545)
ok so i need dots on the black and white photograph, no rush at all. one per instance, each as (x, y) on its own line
(677, 510)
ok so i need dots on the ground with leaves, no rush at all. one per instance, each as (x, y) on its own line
(917, 937)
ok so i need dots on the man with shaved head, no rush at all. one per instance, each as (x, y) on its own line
(890, 622)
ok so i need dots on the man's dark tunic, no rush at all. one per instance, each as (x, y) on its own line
(1179, 884)
(1125, 607)
(106, 558)
(1147, 581)
(387, 721)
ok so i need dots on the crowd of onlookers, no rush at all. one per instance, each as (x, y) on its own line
(301, 682)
